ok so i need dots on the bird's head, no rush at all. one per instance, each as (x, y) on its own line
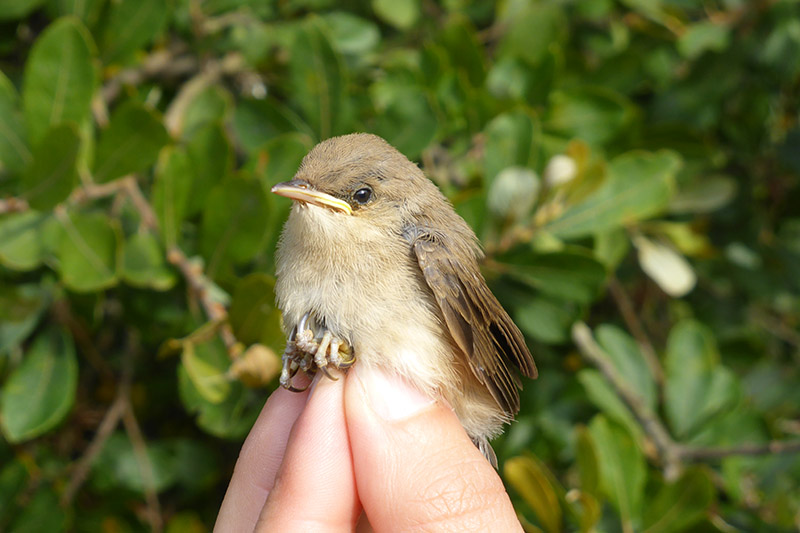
(359, 175)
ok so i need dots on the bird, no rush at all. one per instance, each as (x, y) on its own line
(374, 267)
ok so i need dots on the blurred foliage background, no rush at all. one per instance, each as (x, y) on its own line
(631, 167)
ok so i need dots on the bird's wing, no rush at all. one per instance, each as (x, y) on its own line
(491, 341)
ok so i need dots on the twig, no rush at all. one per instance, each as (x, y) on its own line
(13, 205)
(652, 425)
(776, 327)
(211, 72)
(107, 425)
(149, 218)
(170, 62)
(631, 319)
(199, 285)
(110, 421)
(125, 186)
(671, 453)
(145, 467)
(695, 453)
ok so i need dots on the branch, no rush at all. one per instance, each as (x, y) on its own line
(671, 453)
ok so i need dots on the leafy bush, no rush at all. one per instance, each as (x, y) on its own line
(631, 167)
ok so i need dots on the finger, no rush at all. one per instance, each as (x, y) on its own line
(315, 488)
(258, 462)
(416, 469)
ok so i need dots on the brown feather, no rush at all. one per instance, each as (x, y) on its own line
(480, 327)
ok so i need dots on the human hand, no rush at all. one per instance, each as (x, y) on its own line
(367, 442)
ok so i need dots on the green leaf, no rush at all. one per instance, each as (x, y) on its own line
(352, 34)
(172, 188)
(278, 159)
(678, 506)
(253, 314)
(402, 14)
(407, 121)
(611, 247)
(120, 466)
(43, 512)
(87, 10)
(258, 121)
(545, 319)
(703, 37)
(466, 53)
(208, 374)
(317, 80)
(622, 468)
(40, 392)
(697, 387)
(235, 222)
(144, 264)
(209, 107)
(627, 358)
(638, 186)
(234, 415)
(594, 115)
(130, 143)
(511, 141)
(21, 246)
(649, 8)
(587, 461)
(60, 78)
(131, 25)
(17, 9)
(13, 478)
(21, 308)
(52, 175)
(532, 31)
(212, 159)
(14, 150)
(608, 401)
(568, 275)
(528, 477)
(87, 251)
(704, 195)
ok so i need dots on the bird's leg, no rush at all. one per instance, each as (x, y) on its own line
(293, 360)
(317, 341)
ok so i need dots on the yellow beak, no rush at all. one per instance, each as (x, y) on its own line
(303, 192)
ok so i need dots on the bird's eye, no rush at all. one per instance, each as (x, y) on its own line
(362, 195)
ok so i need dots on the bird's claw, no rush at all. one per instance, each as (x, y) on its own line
(313, 347)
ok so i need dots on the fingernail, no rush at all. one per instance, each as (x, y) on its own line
(314, 382)
(389, 395)
(320, 377)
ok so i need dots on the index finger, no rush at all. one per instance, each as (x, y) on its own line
(259, 461)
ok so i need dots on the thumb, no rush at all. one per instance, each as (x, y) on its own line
(415, 467)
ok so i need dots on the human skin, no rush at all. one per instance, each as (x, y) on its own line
(366, 445)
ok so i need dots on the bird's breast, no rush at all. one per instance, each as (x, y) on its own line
(365, 285)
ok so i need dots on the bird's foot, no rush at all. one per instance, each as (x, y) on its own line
(311, 347)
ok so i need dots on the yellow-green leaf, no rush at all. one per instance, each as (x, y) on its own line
(529, 479)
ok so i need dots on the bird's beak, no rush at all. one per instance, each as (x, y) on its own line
(303, 192)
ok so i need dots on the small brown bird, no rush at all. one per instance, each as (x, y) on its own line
(375, 266)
